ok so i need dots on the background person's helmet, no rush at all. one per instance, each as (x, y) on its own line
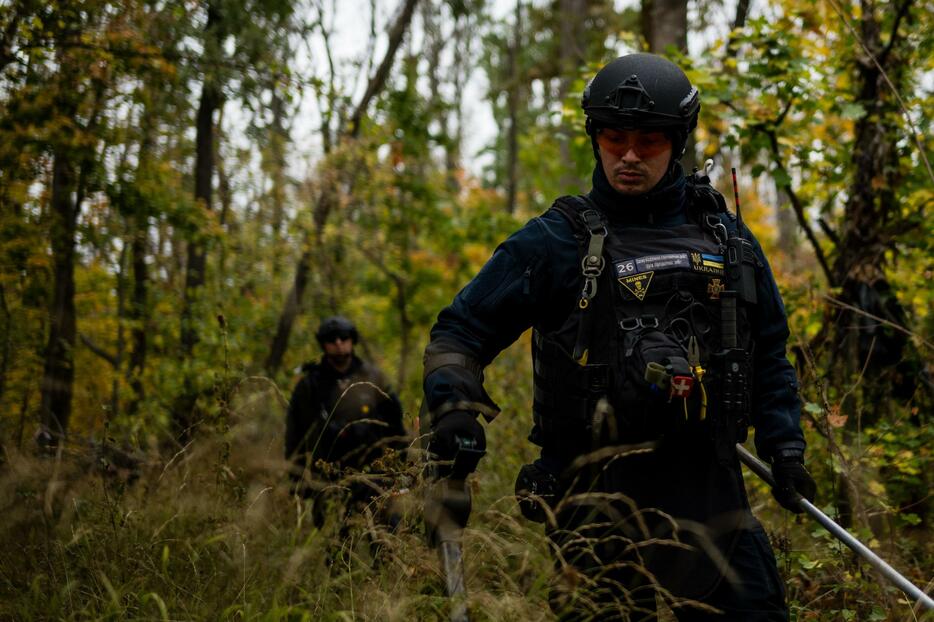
(642, 91)
(334, 327)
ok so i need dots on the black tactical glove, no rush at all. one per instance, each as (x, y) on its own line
(791, 479)
(457, 438)
(535, 486)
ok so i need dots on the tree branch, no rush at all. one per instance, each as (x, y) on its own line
(742, 12)
(396, 33)
(876, 318)
(99, 351)
(828, 231)
(9, 33)
(893, 38)
(797, 205)
(739, 22)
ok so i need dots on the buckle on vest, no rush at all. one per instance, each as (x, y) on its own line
(716, 225)
(635, 323)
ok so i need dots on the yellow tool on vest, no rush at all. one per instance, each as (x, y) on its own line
(694, 362)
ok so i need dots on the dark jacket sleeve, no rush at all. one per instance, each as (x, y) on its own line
(516, 288)
(301, 420)
(776, 408)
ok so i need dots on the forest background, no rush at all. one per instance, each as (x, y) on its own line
(168, 246)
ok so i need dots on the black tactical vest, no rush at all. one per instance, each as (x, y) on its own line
(600, 383)
(658, 298)
(350, 417)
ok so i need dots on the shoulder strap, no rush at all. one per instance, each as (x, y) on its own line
(372, 373)
(704, 197)
(571, 207)
(589, 228)
(312, 372)
(708, 206)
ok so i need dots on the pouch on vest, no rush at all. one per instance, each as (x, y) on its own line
(657, 407)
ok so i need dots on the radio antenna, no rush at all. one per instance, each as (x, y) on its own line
(739, 215)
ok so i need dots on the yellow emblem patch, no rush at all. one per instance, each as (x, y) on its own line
(637, 284)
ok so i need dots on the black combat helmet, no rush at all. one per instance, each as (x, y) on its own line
(336, 327)
(642, 91)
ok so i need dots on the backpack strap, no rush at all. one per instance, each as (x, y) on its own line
(707, 206)
(590, 230)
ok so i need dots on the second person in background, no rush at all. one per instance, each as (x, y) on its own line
(341, 418)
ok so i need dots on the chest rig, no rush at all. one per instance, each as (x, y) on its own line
(350, 421)
(659, 344)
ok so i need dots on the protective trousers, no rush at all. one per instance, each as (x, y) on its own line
(601, 577)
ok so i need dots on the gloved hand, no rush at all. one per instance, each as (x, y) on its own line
(457, 436)
(791, 479)
(536, 486)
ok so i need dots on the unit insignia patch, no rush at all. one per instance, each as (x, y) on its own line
(714, 287)
(637, 284)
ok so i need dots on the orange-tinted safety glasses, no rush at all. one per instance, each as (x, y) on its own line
(619, 142)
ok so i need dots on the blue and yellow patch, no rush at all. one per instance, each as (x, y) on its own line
(707, 263)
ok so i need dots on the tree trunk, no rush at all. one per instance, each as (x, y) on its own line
(571, 44)
(225, 196)
(183, 415)
(665, 27)
(280, 341)
(742, 12)
(120, 353)
(860, 345)
(276, 167)
(787, 228)
(405, 332)
(204, 175)
(7, 346)
(58, 372)
(454, 121)
(513, 96)
(138, 312)
(871, 214)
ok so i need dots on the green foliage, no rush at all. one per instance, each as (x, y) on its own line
(394, 226)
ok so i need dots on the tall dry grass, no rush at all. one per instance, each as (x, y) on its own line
(211, 532)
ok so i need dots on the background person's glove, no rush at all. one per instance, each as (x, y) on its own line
(457, 437)
(791, 479)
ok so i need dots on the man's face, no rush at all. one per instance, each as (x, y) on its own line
(633, 160)
(339, 349)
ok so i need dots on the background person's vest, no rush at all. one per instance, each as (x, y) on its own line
(353, 418)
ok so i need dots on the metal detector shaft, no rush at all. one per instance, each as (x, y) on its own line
(913, 591)
(453, 566)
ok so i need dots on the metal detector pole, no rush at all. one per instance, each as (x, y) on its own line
(452, 563)
(913, 591)
(447, 509)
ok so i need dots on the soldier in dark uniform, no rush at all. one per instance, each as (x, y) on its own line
(342, 415)
(658, 338)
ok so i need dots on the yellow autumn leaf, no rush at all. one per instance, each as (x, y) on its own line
(876, 488)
